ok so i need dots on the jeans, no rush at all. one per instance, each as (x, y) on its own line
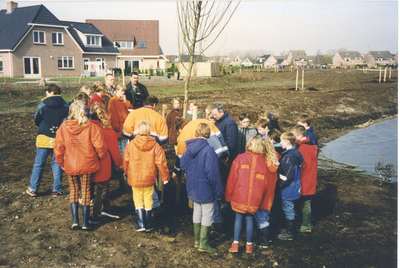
(288, 208)
(156, 201)
(238, 226)
(262, 218)
(217, 216)
(37, 172)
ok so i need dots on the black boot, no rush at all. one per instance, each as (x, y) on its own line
(141, 218)
(263, 242)
(289, 233)
(75, 216)
(85, 223)
(148, 225)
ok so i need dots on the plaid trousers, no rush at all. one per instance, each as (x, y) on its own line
(74, 188)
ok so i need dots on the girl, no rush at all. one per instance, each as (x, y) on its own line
(246, 187)
(78, 149)
(98, 91)
(175, 112)
(101, 178)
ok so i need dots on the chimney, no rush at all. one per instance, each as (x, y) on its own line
(10, 6)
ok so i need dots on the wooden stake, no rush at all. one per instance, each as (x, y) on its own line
(302, 79)
(384, 77)
(297, 77)
(123, 77)
(194, 113)
(390, 72)
(380, 74)
(164, 111)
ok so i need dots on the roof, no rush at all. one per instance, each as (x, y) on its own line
(87, 28)
(262, 59)
(15, 25)
(349, 54)
(197, 58)
(381, 54)
(299, 54)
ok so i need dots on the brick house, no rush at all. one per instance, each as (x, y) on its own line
(234, 61)
(379, 57)
(34, 43)
(347, 58)
(267, 61)
(297, 57)
(137, 41)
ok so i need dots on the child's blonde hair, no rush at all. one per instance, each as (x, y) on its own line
(270, 155)
(97, 113)
(262, 123)
(275, 135)
(256, 145)
(85, 90)
(176, 99)
(143, 128)
(98, 87)
(299, 130)
(304, 118)
(77, 113)
(289, 136)
(203, 130)
(119, 87)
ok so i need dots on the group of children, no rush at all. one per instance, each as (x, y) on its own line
(89, 145)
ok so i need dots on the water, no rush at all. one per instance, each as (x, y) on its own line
(363, 146)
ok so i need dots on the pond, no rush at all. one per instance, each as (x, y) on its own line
(364, 146)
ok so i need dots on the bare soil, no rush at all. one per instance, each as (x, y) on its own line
(355, 218)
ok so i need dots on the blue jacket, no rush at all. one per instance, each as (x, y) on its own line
(203, 179)
(50, 114)
(289, 174)
(229, 130)
(310, 134)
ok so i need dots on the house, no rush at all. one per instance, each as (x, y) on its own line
(267, 61)
(137, 41)
(34, 43)
(281, 61)
(247, 62)
(201, 67)
(297, 57)
(396, 58)
(347, 58)
(234, 61)
(379, 57)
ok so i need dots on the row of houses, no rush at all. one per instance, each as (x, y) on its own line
(35, 43)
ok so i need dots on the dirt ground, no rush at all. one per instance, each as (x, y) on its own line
(355, 218)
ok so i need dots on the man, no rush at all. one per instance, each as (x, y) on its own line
(109, 81)
(135, 92)
(159, 128)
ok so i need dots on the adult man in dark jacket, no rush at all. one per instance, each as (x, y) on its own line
(135, 92)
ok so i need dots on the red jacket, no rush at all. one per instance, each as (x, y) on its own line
(272, 178)
(78, 149)
(172, 137)
(98, 99)
(141, 156)
(113, 154)
(247, 182)
(309, 168)
(118, 111)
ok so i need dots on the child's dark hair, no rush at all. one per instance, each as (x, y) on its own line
(180, 122)
(243, 116)
(53, 88)
(262, 123)
(272, 116)
(151, 100)
(82, 97)
(275, 135)
(305, 118)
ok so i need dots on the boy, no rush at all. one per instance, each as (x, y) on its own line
(305, 121)
(289, 181)
(244, 133)
(48, 117)
(189, 114)
(308, 176)
(263, 127)
(274, 137)
(203, 183)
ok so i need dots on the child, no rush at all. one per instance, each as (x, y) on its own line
(175, 112)
(118, 109)
(246, 187)
(98, 91)
(262, 215)
(48, 117)
(308, 176)
(203, 183)
(305, 121)
(273, 118)
(289, 181)
(87, 91)
(81, 96)
(189, 114)
(274, 137)
(101, 178)
(141, 156)
(78, 149)
(244, 133)
(263, 127)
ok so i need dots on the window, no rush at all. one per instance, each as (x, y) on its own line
(1, 63)
(65, 62)
(38, 37)
(57, 38)
(142, 44)
(123, 45)
(93, 40)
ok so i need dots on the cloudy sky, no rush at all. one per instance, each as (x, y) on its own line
(260, 26)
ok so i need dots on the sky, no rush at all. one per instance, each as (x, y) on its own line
(260, 27)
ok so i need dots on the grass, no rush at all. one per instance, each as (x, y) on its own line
(76, 79)
(13, 80)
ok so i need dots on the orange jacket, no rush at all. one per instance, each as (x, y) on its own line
(159, 128)
(272, 178)
(78, 149)
(247, 183)
(141, 156)
(118, 111)
(113, 154)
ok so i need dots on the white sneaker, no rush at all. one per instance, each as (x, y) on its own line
(109, 215)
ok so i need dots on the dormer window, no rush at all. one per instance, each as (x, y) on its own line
(123, 45)
(93, 40)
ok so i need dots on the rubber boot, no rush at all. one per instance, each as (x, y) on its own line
(148, 225)
(204, 240)
(289, 233)
(85, 223)
(75, 216)
(263, 242)
(141, 220)
(306, 225)
(196, 227)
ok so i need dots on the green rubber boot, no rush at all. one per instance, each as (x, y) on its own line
(306, 225)
(196, 227)
(204, 237)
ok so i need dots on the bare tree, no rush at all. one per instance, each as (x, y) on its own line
(200, 22)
